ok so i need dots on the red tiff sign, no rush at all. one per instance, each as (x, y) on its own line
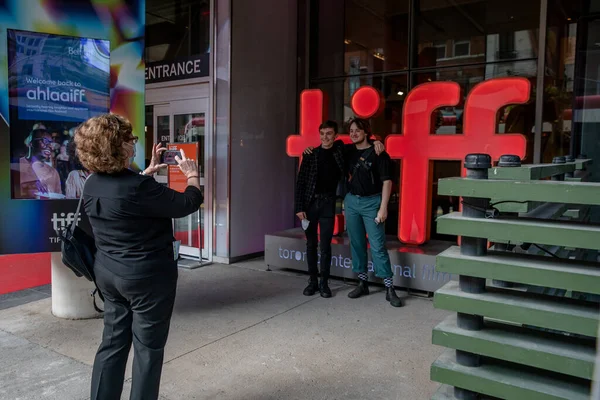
(417, 147)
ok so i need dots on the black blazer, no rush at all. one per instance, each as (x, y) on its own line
(131, 218)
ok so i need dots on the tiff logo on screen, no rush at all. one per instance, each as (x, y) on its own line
(61, 222)
(65, 220)
(416, 147)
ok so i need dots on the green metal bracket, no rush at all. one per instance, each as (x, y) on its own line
(527, 315)
(516, 230)
(522, 191)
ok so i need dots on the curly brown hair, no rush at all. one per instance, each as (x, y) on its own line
(99, 143)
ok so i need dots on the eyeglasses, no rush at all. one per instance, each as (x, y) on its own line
(45, 141)
(133, 139)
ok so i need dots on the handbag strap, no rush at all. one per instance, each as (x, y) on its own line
(361, 161)
(78, 211)
(97, 291)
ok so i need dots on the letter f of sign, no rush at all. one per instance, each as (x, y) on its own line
(418, 149)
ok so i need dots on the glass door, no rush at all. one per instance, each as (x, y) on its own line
(186, 122)
(190, 127)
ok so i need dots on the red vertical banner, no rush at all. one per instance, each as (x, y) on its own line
(177, 180)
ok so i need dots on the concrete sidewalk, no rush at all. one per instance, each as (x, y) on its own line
(240, 333)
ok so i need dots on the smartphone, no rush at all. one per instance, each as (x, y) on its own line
(168, 157)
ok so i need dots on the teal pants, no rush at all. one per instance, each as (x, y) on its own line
(360, 215)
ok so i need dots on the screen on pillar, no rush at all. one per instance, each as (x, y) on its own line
(416, 147)
(55, 83)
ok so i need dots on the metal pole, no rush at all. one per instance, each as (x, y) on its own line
(477, 166)
(539, 93)
(569, 159)
(506, 161)
(561, 176)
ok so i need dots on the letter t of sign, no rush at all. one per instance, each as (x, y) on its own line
(313, 108)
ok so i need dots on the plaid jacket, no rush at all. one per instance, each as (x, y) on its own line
(307, 176)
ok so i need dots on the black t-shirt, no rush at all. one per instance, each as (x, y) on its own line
(368, 182)
(328, 172)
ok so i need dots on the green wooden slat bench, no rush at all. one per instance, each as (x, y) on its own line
(446, 392)
(534, 270)
(550, 312)
(518, 230)
(529, 173)
(540, 191)
(508, 381)
(548, 351)
(526, 323)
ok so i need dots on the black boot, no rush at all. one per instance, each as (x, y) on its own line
(312, 288)
(392, 297)
(324, 289)
(361, 290)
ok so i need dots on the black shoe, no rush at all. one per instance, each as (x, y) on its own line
(312, 288)
(361, 290)
(324, 289)
(392, 297)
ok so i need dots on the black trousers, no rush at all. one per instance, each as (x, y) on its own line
(136, 311)
(321, 213)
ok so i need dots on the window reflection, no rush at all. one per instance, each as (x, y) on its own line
(376, 35)
(559, 82)
(352, 37)
(469, 32)
(468, 42)
(176, 29)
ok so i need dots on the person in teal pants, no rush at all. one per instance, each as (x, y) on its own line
(369, 190)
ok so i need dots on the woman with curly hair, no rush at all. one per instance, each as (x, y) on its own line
(136, 271)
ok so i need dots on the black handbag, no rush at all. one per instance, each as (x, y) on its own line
(78, 251)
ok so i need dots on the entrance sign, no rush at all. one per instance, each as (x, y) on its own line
(416, 147)
(183, 68)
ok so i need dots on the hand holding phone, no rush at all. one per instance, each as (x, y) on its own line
(188, 167)
(168, 157)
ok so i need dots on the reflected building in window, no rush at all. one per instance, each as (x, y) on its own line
(397, 45)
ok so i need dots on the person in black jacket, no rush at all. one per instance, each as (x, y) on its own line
(318, 178)
(136, 271)
(321, 170)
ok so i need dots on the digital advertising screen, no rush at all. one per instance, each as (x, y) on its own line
(55, 83)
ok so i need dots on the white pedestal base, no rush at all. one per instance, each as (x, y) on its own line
(71, 296)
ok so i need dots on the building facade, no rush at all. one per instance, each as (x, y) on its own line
(239, 109)
(228, 74)
(263, 54)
